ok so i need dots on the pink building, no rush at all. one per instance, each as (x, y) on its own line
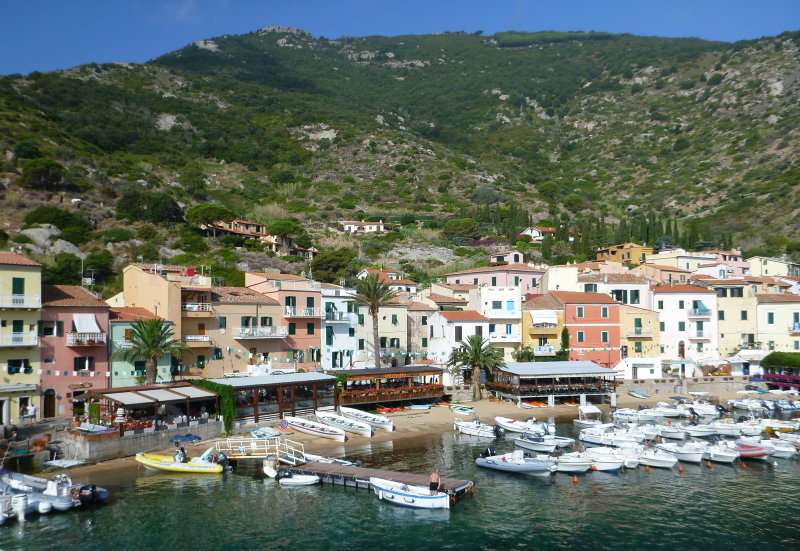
(74, 346)
(518, 275)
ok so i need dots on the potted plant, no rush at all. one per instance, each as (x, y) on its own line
(38, 444)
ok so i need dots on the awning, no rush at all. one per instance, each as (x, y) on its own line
(545, 317)
(86, 323)
(589, 409)
(18, 387)
(701, 308)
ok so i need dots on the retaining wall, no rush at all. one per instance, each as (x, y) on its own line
(667, 387)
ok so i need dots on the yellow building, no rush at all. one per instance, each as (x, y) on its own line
(392, 333)
(20, 309)
(639, 332)
(542, 322)
(627, 253)
(778, 318)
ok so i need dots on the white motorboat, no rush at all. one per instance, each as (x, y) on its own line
(606, 435)
(299, 480)
(462, 410)
(691, 452)
(514, 462)
(325, 459)
(727, 427)
(719, 452)
(316, 429)
(349, 425)
(418, 497)
(588, 416)
(636, 415)
(559, 441)
(265, 433)
(779, 448)
(675, 432)
(699, 431)
(671, 410)
(792, 437)
(377, 421)
(568, 462)
(658, 458)
(603, 459)
(536, 443)
(476, 428)
(531, 425)
(650, 432)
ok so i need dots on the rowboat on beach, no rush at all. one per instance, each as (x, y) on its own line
(637, 394)
(315, 429)
(349, 425)
(377, 421)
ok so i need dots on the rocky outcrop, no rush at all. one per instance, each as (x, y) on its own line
(62, 246)
(43, 234)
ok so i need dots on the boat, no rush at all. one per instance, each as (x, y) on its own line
(476, 428)
(750, 451)
(700, 431)
(636, 415)
(419, 406)
(531, 425)
(349, 425)
(462, 410)
(675, 432)
(609, 435)
(265, 433)
(603, 459)
(588, 416)
(208, 463)
(325, 459)
(525, 405)
(514, 462)
(671, 410)
(568, 462)
(569, 403)
(536, 404)
(637, 394)
(780, 448)
(57, 493)
(405, 495)
(316, 429)
(727, 427)
(719, 452)
(298, 480)
(377, 421)
(779, 425)
(657, 458)
(7, 511)
(691, 452)
(536, 444)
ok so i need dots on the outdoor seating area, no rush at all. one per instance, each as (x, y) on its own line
(409, 382)
(553, 379)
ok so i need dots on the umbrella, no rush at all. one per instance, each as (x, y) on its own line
(192, 438)
(756, 380)
(178, 438)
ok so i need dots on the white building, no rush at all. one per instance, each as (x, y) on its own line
(392, 335)
(446, 330)
(394, 278)
(339, 340)
(502, 306)
(362, 227)
(630, 289)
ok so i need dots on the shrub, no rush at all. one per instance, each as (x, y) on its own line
(27, 149)
(60, 218)
(462, 227)
(21, 239)
(41, 173)
(681, 144)
(573, 202)
(76, 236)
(117, 235)
(147, 232)
(232, 241)
(715, 79)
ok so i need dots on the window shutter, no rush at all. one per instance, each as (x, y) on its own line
(217, 353)
(90, 363)
(310, 328)
(394, 319)
(245, 321)
(40, 328)
(424, 320)
(329, 336)
(223, 322)
(383, 342)
(76, 363)
(361, 319)
(59, 329)
(361, 344)
(292, 329)
(269, 321)
(424, 342)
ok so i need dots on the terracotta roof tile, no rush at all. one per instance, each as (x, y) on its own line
(281, 277)
(131, 314)
(68, 296)
(666, 288)
(544, 302)
(500, 268)
(16, 259)
(436, 297)
(777, 297)
(457, 286)
(463, 315)
(239, 295)
(417, 306)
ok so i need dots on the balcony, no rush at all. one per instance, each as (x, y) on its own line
(302, 312)
(389, 351)
(294, 285)
(196, 341)
(190, 281)
(794, 328)
(338, 317)
(270, 332)
(86, 339)
(504, 337)
(699, 312)
(19, 339)
(20, 301)
(197, 309)
(503, 314)
(642, 332)
(122, 344)
(700, 336)
(544, 350)
(544, 329)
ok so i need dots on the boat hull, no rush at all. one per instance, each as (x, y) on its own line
(542, 447)
(475, 429)
(315, 429)
(523, 466)
(167, 463)
(416, 497)
(299, 480)
(377, 421)
(347, 425)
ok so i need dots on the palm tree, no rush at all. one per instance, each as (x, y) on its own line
(477, 353)
(373, 294)
(150, 339)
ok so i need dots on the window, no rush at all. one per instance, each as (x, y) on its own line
(720, 315)
(797, 345)
(660, 304)
(497, 304)
(292, 329)
(542, 341)
(681, 326)
(722, 292)
(771, 345)
(383, 342)
(634, 297)
(680, 305)
(217, 354)
(662, 351)
(699, 347)
(637, 347)
(744, 315)
(458, 281)
(492, 328)
(81, 363)
(604, 336)
(248, 321)
(479, 330)
(579, 311)
(361, 344)
(604, 312)
(590, 287)
(424, 320)
(266, 321)
(329, 336)
(770, 318)
(309, 302)
(475, 281)
(508, 329)
(394, 343)
(533, 282)
(580, 336)
(737, 292)
(361, 319)
(424, 342)
(494, 282)
(459, 335)
(351, 331)
(661, 325)
(516, 280)
(394, 319)
(620, 295)
(291, 301)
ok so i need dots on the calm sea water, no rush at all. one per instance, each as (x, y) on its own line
(730, 508)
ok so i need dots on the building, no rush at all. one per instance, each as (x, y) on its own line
(775, 267)
(523, 276)
(123, 372)
(392, 384)
(681, 258)
(280, 245)
(503, 307)
(74, 337)
(20, 306)
(555, 380)
(560, 278)
(627, 288)
(626, 253)
(392, 335)
(538, 233)
(338, 327)
(394, 278)
(418, 315)
(509, 257)
(362, 227)
(661, 273)
(778, 321)
(446, 331)
(640, 343)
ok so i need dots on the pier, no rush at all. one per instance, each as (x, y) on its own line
(358, 477)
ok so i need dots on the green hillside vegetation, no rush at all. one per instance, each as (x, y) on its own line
(459, 140)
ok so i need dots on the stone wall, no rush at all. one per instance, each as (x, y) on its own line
(667, 387)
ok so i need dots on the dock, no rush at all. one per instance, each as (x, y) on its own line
(358, 477)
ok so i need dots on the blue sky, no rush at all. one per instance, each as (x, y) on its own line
(57, 34)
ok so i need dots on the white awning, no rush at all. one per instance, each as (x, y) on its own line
(589, 409)
(86, 323)
(544, 317)
(129, 398)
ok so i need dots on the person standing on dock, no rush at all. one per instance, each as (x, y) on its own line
(436, 482)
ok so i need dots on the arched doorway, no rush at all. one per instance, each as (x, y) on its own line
(49, 409)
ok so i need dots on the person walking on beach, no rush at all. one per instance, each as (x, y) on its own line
(436, 481)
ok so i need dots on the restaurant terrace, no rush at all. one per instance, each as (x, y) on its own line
(408, 382)
(552, 380)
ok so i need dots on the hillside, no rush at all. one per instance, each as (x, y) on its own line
(616, 135)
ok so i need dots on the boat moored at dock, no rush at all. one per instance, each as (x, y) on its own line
(315, 429)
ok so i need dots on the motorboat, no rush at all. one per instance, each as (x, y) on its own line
(779, 425)
(657, 458)
(700, 431)
(406, 495)
(636, 415)
(691, 452)
(57, 493)
(779, 448)
(462, 410)
(650, 432)
(791, 437)
(588, 416)
(265, 433)
(476, 428)
(671, 410)
(536, 443)
(514, 462)
(325, 459)
(719, 452)
(298, 480)
(208, 463)
(559, 441)
(349, 425)
(729, 427)
(532, 425)
(603, 459)
(568, 462)
(750, 451)
(609, 435)
(315, 429)
(638, 394)
(377, 421)
(675, 432)
(701, 406)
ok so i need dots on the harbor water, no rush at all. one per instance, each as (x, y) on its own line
(723, 507)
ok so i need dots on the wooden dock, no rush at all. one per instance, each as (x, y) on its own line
(358, 477)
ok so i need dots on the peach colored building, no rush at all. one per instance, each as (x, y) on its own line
(518, 275)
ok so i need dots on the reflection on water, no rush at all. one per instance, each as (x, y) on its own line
(725, 507)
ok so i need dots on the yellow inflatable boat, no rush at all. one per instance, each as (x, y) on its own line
(207, 463)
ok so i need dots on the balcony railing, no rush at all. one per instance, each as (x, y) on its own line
(544, 328)
(19, 339)
(503, 314)
(193, 281)
(639, 332)
(295, 285)
(302, 312)
(338, 317)
(196, 307)
(388, 395)
(270, 332)
(389, 350)
(85, 339)
(196, 338)
(122, 344)
(699, 312)
(504, 337)
(20, 301)
(794, 328)
(700, 335)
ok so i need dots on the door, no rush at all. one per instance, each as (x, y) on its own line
(635, 372)
(637, 326)
(24, 401)
(201, 328)
(253, 353)
(16, 328)
(681, 350)
(49, 409)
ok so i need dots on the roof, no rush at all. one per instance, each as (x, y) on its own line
(70, 296)
(385, 373)
(273, 380)
(463, 315)
(663, 267)
(416, 305)
(457, 286)
(383, 276)
(537, 370)
(572, 297)
(403, 281)
(238, 295)
(666, 288)
(131, 314)
(436, 297)
(151, 394)
(501, 268)
(16, 259)
(280, 276)
(544, 302)
(160, 267)
(777, 297)
(613, 278)
(628, 245)
(790, 278)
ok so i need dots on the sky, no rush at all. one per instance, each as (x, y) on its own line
(43, 35)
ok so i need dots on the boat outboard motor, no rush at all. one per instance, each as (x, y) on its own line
(722, 409)
(488, 452)
(358, 463)
(222, 459)
(498, 431)
(88, 494)
(695, 417)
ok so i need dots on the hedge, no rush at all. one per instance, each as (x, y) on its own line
(781, 359)
(227, 401)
